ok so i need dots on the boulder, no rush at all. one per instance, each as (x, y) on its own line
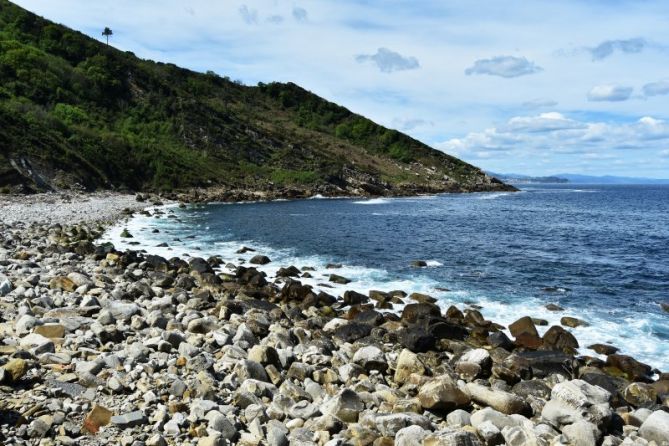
(499, 400)
(371, 358)
(557, 338)
(573, 322)
(346, 406)
(581, 433)
(630, 367)
(656, 428)
(640, 395)
(442, 393)
(451, 437)
(410, 436)
(390, 425)
(576, 400)
(413, 312)
(407, 363)
(523, 325)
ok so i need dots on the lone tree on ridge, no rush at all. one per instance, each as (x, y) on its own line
(107, 32)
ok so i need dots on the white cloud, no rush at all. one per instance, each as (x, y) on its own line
(656, 88)
(545, 122)
(503, 66)
(610, 93)
(388, 61)
(553, 134)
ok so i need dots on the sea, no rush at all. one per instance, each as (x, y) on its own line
(599, 252)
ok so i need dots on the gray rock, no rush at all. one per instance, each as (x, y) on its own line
(25, 324)
(656, 427)
(220, 423)
(130, 419)
(277, 433)
(246, 369)
(499, 400)
(458, 418)
(452, 437)
(390, 425)
(576, 400)
(581, 433)
(410, 436)
(370, 358)
(5, 286)
(346, 406)
(122, 310)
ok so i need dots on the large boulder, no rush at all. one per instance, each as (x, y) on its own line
(502, 401)
(656, 428)
(576, 400)
(413, 312)
(442, 393)
(407, 363)
(371, 358)
(346, 406)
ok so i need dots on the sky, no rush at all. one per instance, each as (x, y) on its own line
(532, 87)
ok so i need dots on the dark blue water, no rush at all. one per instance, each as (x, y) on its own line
(601, 252)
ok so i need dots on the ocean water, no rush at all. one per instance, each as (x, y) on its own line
(600, 252)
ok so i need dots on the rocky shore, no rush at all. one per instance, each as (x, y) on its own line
(108, 347)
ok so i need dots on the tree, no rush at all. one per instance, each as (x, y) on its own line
(107, 32)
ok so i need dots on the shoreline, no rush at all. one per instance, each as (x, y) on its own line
(322, 369)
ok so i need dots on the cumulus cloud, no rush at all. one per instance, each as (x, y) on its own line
(545, 122)
(300, 14)
(539, 103)
(554, 133)
(610, 93)
(608, 47)
(250, 16)
(504, 66)
(388, 61)
(656, 88)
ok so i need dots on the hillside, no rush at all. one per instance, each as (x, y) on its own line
(76, 113)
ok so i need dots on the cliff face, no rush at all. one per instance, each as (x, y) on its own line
(75, 113)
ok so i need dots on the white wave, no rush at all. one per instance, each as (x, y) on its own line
(637, 339)
(373, 201)
(492, 196)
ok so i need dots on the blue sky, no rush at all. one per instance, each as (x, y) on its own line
(536, 87)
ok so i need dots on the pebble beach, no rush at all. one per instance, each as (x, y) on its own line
(101, 346)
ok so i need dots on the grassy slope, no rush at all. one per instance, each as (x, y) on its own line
(81, 112)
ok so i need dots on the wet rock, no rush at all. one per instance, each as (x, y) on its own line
(413, 312)
(259, 260)
(334, 278)
(604, 349)
(573, 322)
(557, 338)
(523, 325)
(640, 395)
(629, 367)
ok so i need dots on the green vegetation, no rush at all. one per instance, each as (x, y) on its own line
(79, 111)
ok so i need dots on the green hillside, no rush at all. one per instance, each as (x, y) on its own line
(75, 112)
